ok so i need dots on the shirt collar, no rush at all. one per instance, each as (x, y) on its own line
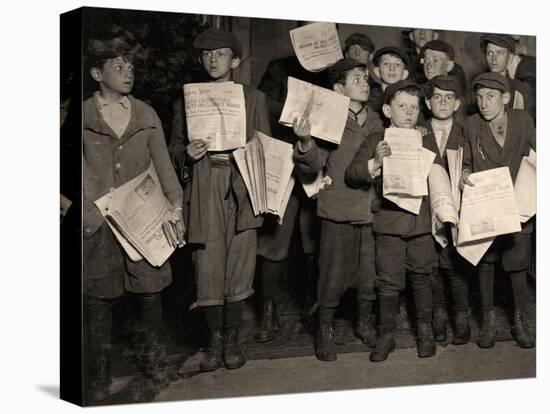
(102, 102)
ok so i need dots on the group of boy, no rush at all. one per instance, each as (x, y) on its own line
(366, 241)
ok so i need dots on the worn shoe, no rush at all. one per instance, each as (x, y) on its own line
(385, 344)
(462, 328)
(439, 324)
(520, 331)
(426, 342)
(233, 357)
(324, 345)
(487, 332)
(269, 324)
(364, 329)
(212, 359)
(100, 372)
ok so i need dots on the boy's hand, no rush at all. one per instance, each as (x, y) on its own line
(382, 150)
(464, 180)
(302, 129)
(196, 149)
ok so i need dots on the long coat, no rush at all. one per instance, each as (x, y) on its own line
(197, 175)
(109, 162)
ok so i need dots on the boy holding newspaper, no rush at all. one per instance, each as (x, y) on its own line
(122, 137)
(222, 226)
(500, 137)
(346, 256)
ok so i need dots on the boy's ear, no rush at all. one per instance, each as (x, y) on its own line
(235, 62)
(450, 65)
(428, 103)
(405, 74)
(338, 87)
(96, 74)
(436, 35)
(376, 70)
(458, 102)
(386, 110)
(506, 98)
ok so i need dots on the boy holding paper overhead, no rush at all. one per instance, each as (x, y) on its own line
(404, 243)
(122, 136)
(222, 226)
(346, 256)
(500, 137)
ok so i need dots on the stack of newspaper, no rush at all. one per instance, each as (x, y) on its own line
(215, 113)
(135, 213)
(266, 166)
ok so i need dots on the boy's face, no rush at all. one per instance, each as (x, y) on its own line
(491, 102)
(116, 75)
(436, 63)
(443, 104)
(391, 69)
(497, 58)
(218, 63)
(358, 53)
(422, 36)
(403, 110)
(356, 86)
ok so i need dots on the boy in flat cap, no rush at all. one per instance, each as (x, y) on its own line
(404, 243)
(390, 65)
(346, 256)
(443, 95)
(498, 50)
(122, 136)
(498, 136)
(222, 226)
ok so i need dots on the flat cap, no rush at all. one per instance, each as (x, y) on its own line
(502, 40)
(491, 80)
(216, 39)
(443, 82)
(337, 69)
(392, 50)
(440, 46)
(392, 89)
(359, 39)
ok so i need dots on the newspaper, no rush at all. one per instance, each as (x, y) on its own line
(454, 161)
(135, 213)
(316, 45)
(404, 169)
(442, 203)
(64, 204)
(525, 187)
(266, 165)
(489, 207)
(216, 113)
(413, 203)
(474, 251)
(311, 183)
(328, 110)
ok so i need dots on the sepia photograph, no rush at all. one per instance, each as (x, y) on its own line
(263, 206)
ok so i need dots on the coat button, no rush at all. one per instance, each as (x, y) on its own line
(87, 230)
(117, 165)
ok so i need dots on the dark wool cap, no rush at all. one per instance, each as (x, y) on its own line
(491, 80)
(216, 39)
(392, 89)
(443, 82)
(440, 46)
(343, 65)
(392, 51)
(502, 40)
(359, 39)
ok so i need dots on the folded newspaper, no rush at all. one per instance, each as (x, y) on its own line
(135, 213)
(316, 45)
(266, 166)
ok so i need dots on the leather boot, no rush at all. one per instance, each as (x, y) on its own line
(269, 324)
(426, 342)
(439, 324)
(364, 329)
(520, 331)
(212, 359)
(487, 332)
(385, 344)
(100, 377)
(324, 346)
(462, 328)
(232, 354)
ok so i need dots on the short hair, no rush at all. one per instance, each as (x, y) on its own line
(393, 51)
(359, 39)
(101, 49)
